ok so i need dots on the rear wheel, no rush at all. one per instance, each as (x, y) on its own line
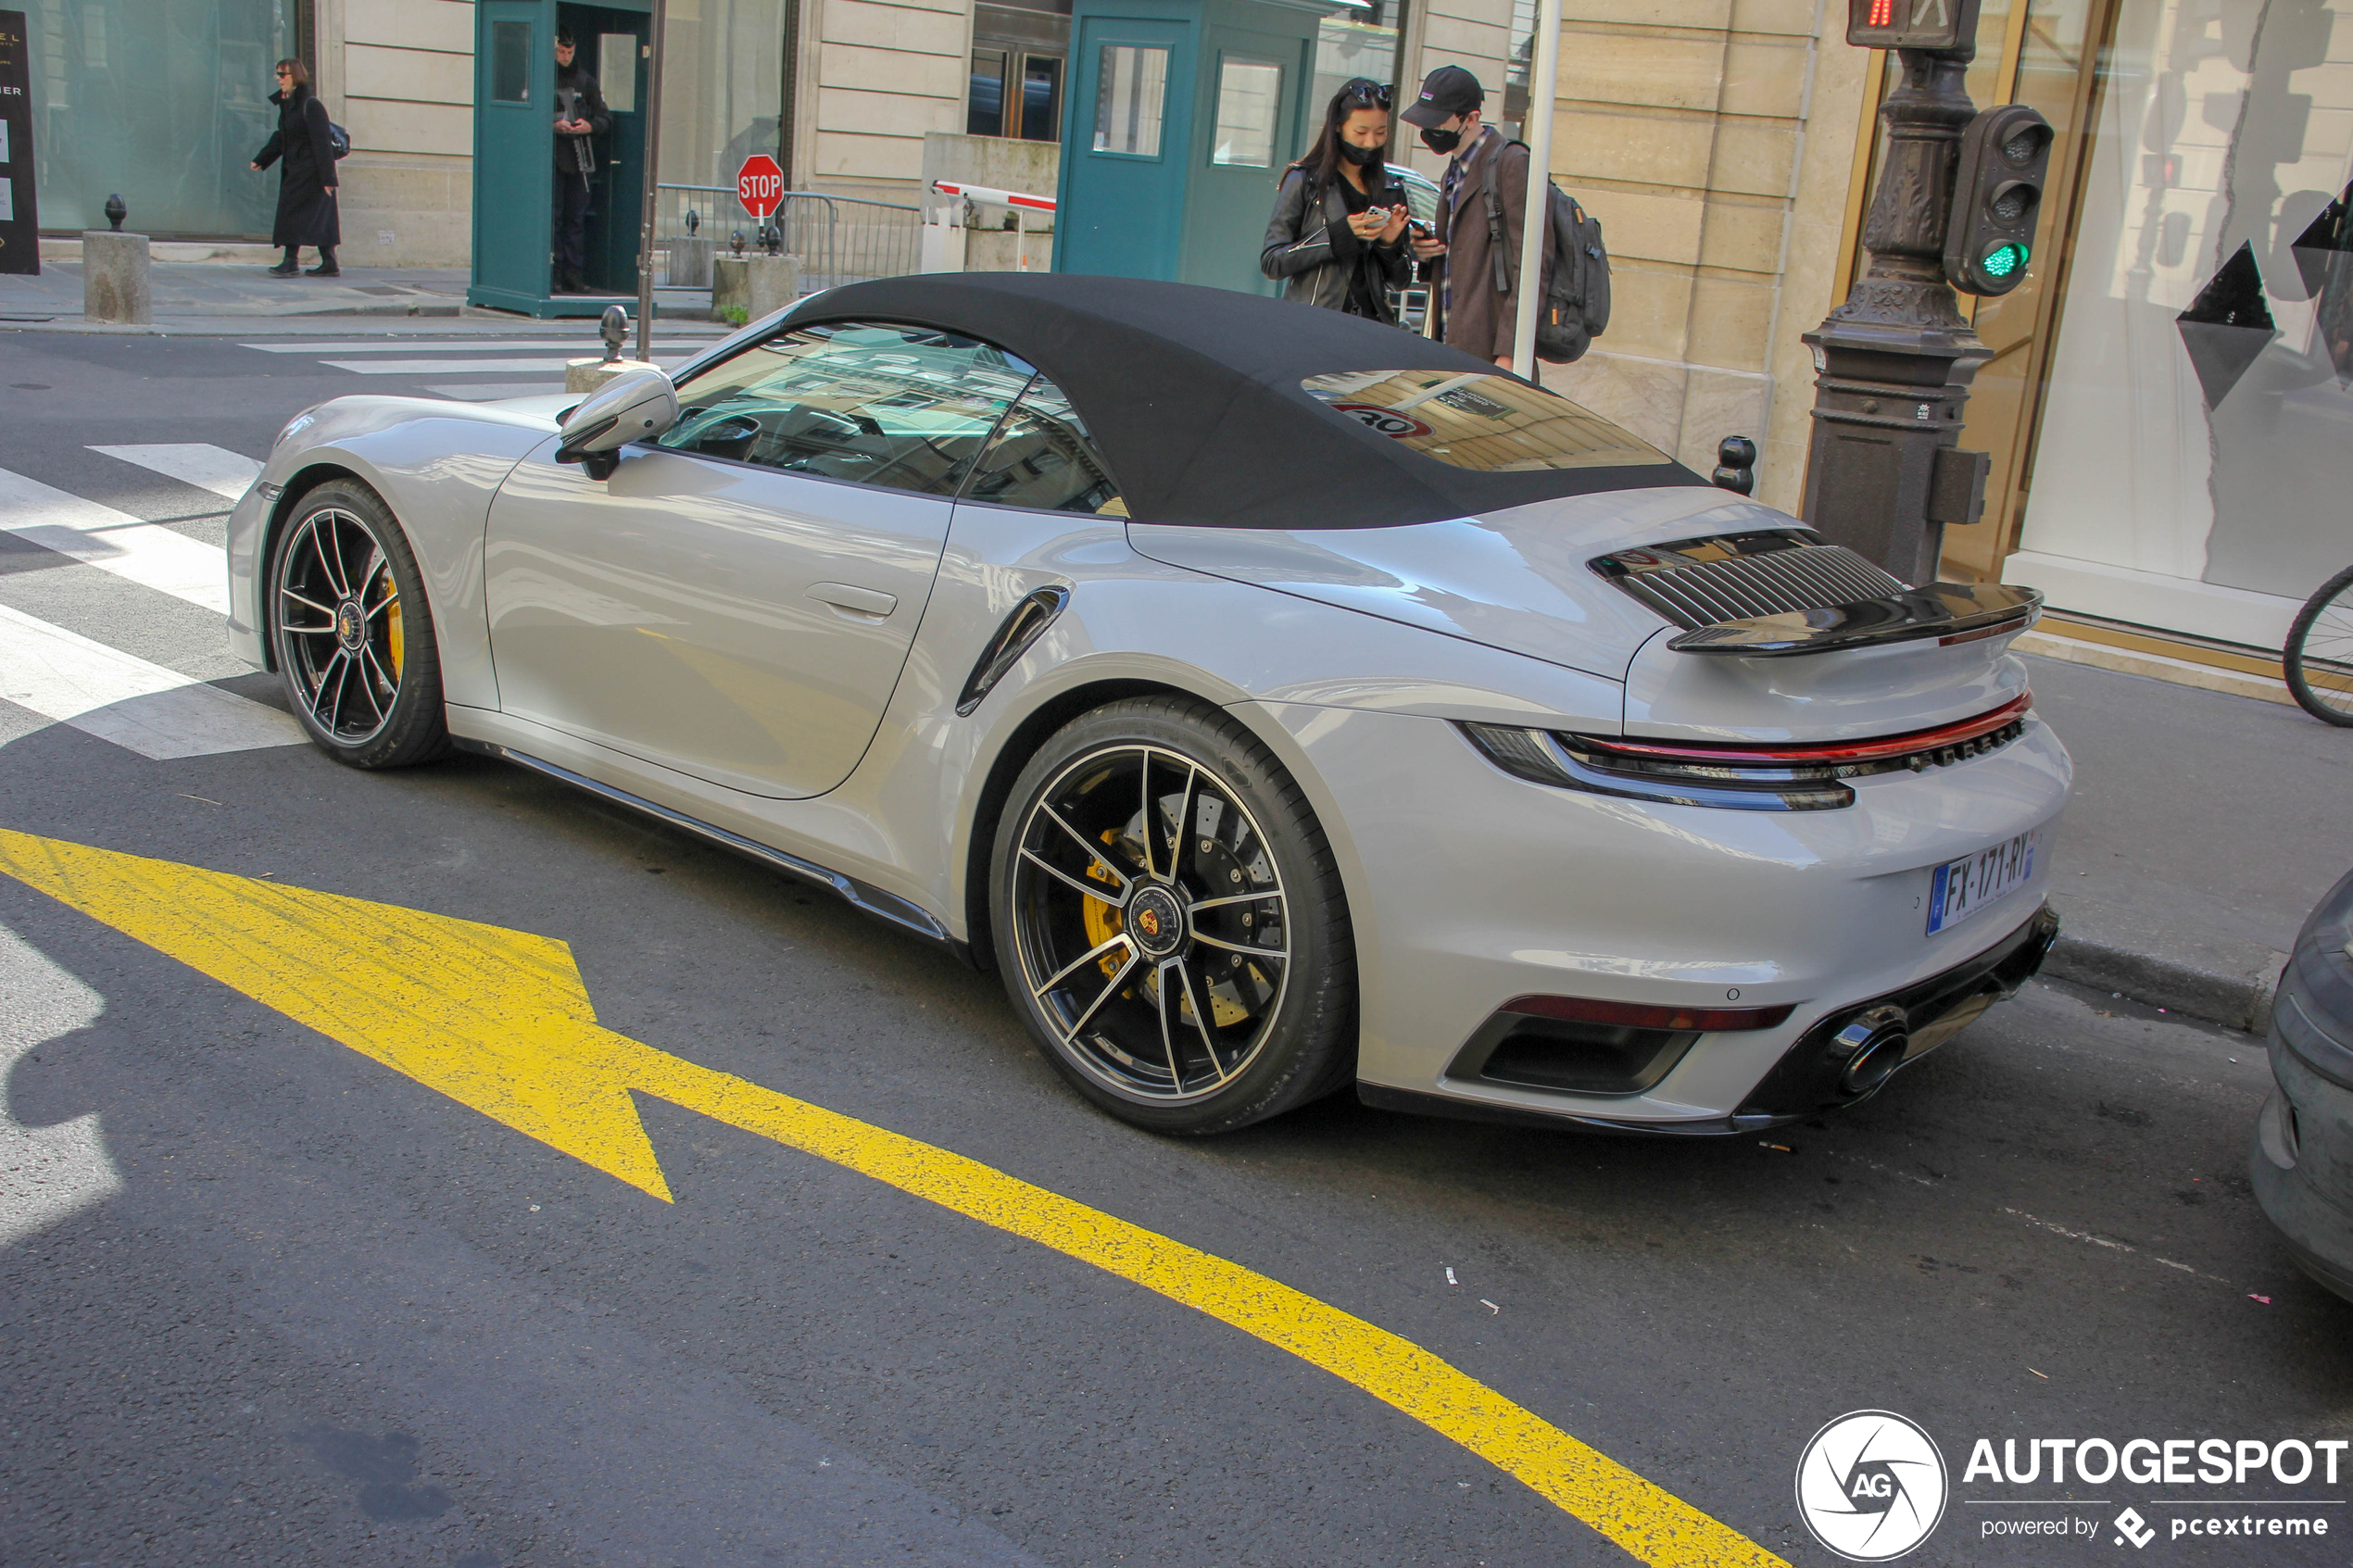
(2320, 652)
(353, 634)
(1169, 921)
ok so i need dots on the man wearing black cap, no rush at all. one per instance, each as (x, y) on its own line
(580, 116)
(1479, 242)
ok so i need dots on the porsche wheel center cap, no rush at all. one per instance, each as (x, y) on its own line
(350, 626)
(1157, 920)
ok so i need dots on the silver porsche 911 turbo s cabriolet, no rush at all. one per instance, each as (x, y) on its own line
(1277, 701)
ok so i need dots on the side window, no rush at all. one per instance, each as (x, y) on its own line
(905, 408)
(1042, 457)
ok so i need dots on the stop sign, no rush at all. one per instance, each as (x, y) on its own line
(760, 184)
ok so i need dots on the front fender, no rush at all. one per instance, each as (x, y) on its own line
(437, 464)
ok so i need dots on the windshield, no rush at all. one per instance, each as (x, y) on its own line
(1479, 419)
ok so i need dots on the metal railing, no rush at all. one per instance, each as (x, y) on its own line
(838, 239)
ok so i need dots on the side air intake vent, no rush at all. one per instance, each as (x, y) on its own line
(1697, 583)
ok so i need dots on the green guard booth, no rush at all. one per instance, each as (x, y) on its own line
(1182, 114)
(515, 151)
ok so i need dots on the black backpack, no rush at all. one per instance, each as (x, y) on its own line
(1575, 306)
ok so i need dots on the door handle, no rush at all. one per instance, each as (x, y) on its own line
(866, 604)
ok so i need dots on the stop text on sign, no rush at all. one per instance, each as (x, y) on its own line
(760, 184)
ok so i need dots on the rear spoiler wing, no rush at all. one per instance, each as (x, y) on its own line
(1951, 612)
(1774, 592)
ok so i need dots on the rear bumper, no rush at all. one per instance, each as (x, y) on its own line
(1808, 1077)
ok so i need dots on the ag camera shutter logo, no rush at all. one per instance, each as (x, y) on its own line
(1871, 1485)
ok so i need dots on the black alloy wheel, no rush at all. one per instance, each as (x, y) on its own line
(352, 632)
(2318, 663)
(1170, 922)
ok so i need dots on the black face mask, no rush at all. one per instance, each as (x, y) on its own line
(1362, 157)
(1438, 141)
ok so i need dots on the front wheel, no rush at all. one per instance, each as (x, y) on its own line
(1169, 921)
(2320, 652)
(353, 633)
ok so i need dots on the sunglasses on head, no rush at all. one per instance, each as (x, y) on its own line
(1373, 93)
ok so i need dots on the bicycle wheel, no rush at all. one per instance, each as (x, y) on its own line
(2320, 652)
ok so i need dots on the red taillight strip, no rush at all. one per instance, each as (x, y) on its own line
(1834, 751)
(1635, 1015)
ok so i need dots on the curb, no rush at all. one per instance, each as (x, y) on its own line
(70, 322)
(2235, 1001)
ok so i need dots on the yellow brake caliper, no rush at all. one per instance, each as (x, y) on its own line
(393, 642)
(1102, 917)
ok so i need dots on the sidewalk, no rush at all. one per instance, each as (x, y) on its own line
(215, 289)
(189, 295)
(2203, 830)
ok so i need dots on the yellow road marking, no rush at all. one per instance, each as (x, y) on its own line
(501, 1021)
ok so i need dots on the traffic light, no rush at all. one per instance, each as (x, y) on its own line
(1911, 24)
(1998, 193)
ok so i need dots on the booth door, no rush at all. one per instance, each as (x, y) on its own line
(611, 41)
(1126, 148)
(514, 119)
(1249, 128)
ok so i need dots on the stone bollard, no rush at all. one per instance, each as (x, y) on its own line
(114, 278)
(587, 375)
(758, 285)
(690, 261)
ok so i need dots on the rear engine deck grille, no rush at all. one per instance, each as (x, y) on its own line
(1697, 583)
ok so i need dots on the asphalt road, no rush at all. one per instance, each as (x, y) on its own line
(275, 1303)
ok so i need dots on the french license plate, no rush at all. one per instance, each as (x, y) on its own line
(1959, 888)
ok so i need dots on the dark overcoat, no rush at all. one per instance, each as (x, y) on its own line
(305, 181)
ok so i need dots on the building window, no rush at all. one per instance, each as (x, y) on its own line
(1129, 91)
(1019, 51)
(1041, 98)
(510, 62)
(1250, 94)
(164, 101)
(1359, 38)
(985, 109)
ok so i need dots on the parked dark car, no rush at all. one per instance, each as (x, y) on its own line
(2302, 1162)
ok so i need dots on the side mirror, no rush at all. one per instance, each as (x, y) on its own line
(637, 407)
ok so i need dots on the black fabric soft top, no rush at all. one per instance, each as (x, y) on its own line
(1194, 396)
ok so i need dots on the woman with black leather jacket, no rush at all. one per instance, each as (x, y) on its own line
(1338, 236)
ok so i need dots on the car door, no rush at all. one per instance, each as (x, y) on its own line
(736, 600)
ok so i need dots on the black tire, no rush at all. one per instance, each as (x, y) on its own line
(1282, 1018)
(2320, 652)
(352, 631)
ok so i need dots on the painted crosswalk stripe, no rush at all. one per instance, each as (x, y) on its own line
(468, 366)
(141, 707)
(116, 542)
(225, 473)
(496, 391)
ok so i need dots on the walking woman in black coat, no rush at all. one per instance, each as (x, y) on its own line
(307, 180)
(1338, 235)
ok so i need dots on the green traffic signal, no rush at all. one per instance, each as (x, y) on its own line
(1997, 196)
(2002, 260)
